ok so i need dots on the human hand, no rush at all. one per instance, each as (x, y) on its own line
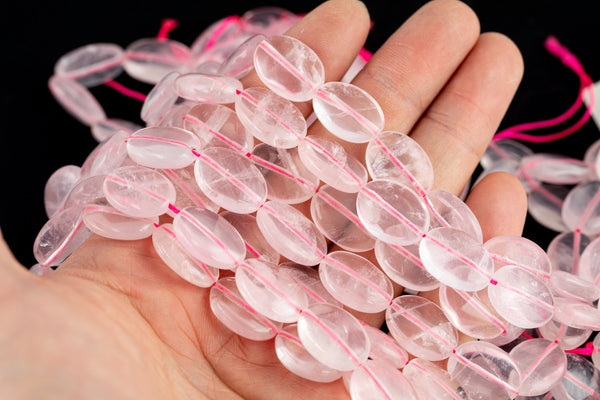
(114, 322)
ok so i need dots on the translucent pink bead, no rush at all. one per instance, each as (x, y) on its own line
(163, 147)
(521, 297)
(108, 222)
(403, 265)
(421, 327)
(179, 260)
(333, 336)
(288, 180)
(469, 314)
(139, 191)
(104, 130)
(385, 348)
(256, 244)
(596, 353)
(450, 211)
(270, 118)
(58, 187)
(581, 380)
(589, 263)
(520, 251)
(375, 380)
(230, 180)
(84, 192)
(356, 282)
(276, 296)
(209, 237)
(290, 233)
(76, 100)
(544, 203)
(308, 279)
(289, 67)
(230, 308)
(542, 364)
(160, 100)
(504, 149)
(568, 337)
(223, 30)
(577, 314)
(207, 88)
(218, 126)
(392, 212)
(329, 161)
(188, 192)
(485, 371)
(107, 156)
(554, 168)
(59, 237)
(565, 250)
(149, 60)
(348, 112)
(241, 61)
(430, 381)
(581, 209)
(571, 286)
(268, 20)
(456, 259)
(292, 354)
(334, 213)
(92, 64)
(398, 157)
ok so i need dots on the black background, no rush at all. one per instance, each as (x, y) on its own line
(37, 136)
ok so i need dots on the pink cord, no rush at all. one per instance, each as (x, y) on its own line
(126, 91)
(167, 26)
(555, 48)
(588, 350)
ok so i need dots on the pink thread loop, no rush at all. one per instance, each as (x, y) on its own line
(588, 350)
(168, 24)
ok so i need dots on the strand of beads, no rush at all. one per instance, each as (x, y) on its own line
(196, 156)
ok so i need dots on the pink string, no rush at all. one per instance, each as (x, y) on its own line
(167, 26)
(588, 350)
(220, 30)
(126, 91)
(555, 48)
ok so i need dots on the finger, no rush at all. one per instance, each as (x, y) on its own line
(9, 266)
(336, 31)
(458, 126)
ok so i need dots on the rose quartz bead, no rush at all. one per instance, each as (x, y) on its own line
(568, 337)
(430, 381)
(544, 203)
(290, 233)
(385, 348)
(334, 213)
(276, 296)
(288, 180)
(571, 286)
(59, 237)
(375, 380)
(160, 100)
(348, 112)
(581, 209)
(521, 297)
(554, 168)
(209, 237)
(421, 327)
(163, 147)
(188, 192)
(356, 282)
(58, 187)
(588, 267)
(230, 180)
(139, 191)
(289, 67)
(91, 65)
(270, 118)
(329, 161)
(106, 157)
(456, 259)
(256, 244)
(292, 354)
(268, 20)
(520, 251)
(149, 60)
(398, 157)
(503, 149)
(241, 61)
(581, 380)
(596, 353)
(450, 211)
(469, 314)
(104, 130)
(218, 126)
(230, 308)
(207, 88)
(484, 371)
(180, 261)
(577, 314)
(111, 223)
(84, 192)
(403, 265)
(542, 364)
(76, 100)
(565, 250)
(39, 270)
(333, 336)
(392, 212)
(223, 30)
(309, 281)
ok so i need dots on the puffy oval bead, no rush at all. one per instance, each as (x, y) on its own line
(58, 187)
(92, 64)
(207, 88)
(163, 147)
(109, 222)
(149, 60)
(581, 209)
(76, 100)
